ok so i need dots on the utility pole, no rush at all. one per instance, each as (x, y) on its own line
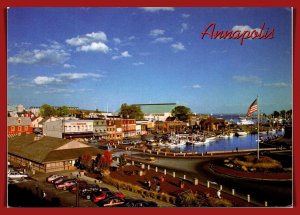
(77, 194)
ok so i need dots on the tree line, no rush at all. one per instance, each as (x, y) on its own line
(126, 112)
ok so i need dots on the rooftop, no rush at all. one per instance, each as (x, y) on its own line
(44, 150)
(157, 108)
(15, 121)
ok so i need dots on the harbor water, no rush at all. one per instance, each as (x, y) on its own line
(229, 144)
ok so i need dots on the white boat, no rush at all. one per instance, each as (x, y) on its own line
(178, 143)
(226, 136)
(231, 134)
(200, 142)
(245, 122)
(213, 138)
(241, 133)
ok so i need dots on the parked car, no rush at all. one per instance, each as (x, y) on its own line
(66, 184)
(16, 175)
(59, 180)
(101, 195)
(93, 141)
(138, 203)
(79, 183)
(87, 191)
(110, 202)
(52, 177)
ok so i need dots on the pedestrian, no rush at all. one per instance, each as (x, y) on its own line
(237, 149)
(43, 194)
(149, 184)
(219, 194)
(157, 187)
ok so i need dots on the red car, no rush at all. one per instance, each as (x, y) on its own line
(80, 185)
(65, 184)
(101, 195)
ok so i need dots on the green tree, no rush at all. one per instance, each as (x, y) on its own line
(76, 113)
(131, 112)
(275, 114)
(181, 113)
(62, 111)
(122, 160)
(47, 110)
(289, 113)
(282, 113)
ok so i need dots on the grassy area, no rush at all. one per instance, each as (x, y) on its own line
(251, 163)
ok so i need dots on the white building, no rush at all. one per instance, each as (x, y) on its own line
(69, 129)
(157, 112)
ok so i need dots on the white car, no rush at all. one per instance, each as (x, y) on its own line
(52, 177)
(16, 175)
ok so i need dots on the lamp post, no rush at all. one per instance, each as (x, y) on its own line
(77, 194)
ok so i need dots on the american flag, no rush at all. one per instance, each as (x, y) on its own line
(252, 108)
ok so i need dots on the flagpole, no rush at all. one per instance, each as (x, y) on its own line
(257, 129)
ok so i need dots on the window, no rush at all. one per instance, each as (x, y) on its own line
(19, 128)
(12, 128)
(26, 128)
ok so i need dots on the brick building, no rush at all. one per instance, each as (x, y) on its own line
(18, 125)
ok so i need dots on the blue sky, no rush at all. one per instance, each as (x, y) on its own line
(98, 57)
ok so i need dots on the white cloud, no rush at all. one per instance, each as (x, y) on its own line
(94, 41)
(117, 40)
(163, 40)
(63, 77)
(185, 15)
(94, 46)
(196, 86)
(87, 39)
(124, 54)
(131, 38)
(184, 27)
(75, 75)
(44, 80)
(156, 9)
(243, 28)
(97, 36)
(156, 32)
(68, 66)
(54, 91)
(138, 63)
(48, 56)
(178, 46)
(277, 85)
(248, 79)
(62, 91)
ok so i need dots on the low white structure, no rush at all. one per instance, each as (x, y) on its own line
(68, 128)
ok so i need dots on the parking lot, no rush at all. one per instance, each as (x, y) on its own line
(37, 184)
